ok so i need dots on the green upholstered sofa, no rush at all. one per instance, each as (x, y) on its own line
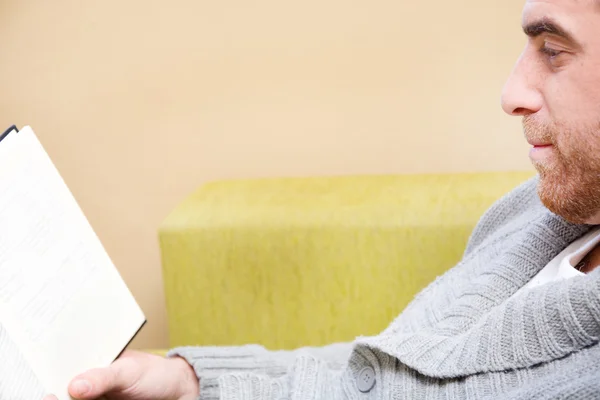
(293, 262)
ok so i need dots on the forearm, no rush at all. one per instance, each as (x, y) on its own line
(213, 365)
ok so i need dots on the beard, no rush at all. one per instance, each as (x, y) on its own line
(569, 183)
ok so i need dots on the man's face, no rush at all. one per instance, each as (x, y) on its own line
(555, 87)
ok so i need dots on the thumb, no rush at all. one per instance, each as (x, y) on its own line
(97, 382)
(190, 397)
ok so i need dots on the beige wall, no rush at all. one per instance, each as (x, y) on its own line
(139, 102)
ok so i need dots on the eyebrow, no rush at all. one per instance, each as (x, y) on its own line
(547, 25)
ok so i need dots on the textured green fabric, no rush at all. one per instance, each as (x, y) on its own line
(297, 262)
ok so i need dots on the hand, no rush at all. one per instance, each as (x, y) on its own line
(137, 376)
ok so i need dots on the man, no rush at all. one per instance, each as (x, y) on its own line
(517, 318)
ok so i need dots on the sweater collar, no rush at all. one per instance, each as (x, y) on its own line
(468, 323)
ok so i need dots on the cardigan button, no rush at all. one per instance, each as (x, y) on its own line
(366, 379)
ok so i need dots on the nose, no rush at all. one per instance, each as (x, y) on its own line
(521, 95)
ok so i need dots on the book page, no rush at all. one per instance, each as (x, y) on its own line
(17, 379)
(62, 301)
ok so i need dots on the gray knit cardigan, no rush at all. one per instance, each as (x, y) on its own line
(465, 336)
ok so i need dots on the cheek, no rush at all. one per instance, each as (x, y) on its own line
(563, 97)
(578, 143)
(572, 100)
(574, 93)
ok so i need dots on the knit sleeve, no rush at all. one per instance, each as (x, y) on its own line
(251, 371)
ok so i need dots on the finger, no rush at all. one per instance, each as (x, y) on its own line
(97, 382)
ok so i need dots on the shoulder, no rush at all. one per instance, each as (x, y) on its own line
(575, 377)
(519, 206)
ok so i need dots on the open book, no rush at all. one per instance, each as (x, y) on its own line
(64, 308)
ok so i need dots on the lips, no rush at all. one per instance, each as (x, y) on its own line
(539, 143)
(540, 150)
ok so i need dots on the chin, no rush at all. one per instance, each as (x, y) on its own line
(572, 202)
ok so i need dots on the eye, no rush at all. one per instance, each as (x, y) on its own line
(552, 53)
